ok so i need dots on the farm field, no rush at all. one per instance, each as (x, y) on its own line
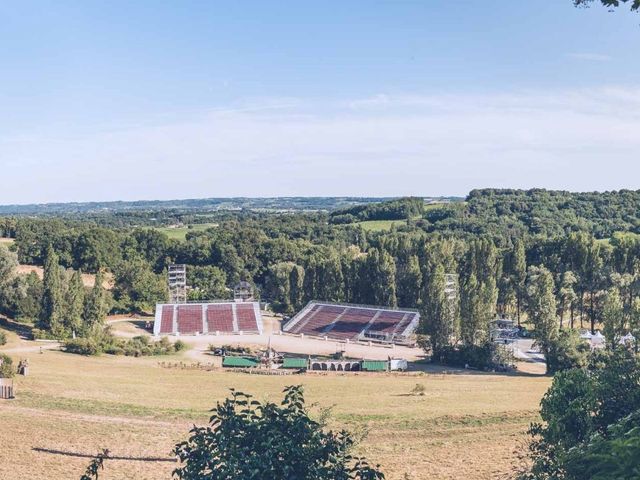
(380, 225)
(465, 426)
(180, 233)
(384, 225)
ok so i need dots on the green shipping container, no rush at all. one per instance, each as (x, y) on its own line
(374, 365)
(239, 362)
(294, 363)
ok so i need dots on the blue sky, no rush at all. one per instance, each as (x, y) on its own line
(127, 100)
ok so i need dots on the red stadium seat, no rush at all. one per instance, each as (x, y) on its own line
(166, 321)
(189, 318)
(246, 316)
(220, 318)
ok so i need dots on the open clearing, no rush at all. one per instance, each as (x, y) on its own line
(380, 225)
(465, 426)
(88, 279)
(180, 233)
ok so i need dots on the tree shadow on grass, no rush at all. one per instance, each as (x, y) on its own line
(110, 457)
(22, 330)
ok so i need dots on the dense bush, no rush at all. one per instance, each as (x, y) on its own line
(83, 346)
(589, 423)
(135, 347)
(3, 338)
(474, 356)
(38, 334)
(239, 349)
(249, 439)
(567, 351)
(6, 366)
(606, 456)
(400, 209)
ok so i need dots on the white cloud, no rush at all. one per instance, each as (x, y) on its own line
(385, 145)
(591, 57)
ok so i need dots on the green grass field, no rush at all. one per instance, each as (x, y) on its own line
(384, 225)
(380, 225)
(180, 233)
(465, 426)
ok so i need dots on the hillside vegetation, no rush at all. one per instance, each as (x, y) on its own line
(539, 212)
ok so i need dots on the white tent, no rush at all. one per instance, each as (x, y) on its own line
(628, 339)
(597, 339)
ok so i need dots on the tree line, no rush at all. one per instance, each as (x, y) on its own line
(573, 279)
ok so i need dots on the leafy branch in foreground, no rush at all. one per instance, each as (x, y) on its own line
(635, 4)
(97, 464)
(248, 440)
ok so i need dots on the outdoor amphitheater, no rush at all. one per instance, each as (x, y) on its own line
(322, 320)
(352, 323)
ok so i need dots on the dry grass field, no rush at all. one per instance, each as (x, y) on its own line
(88, 279)
(465, 426)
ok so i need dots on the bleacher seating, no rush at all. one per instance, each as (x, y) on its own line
(189, 319)
(389, 321)
(166, 321)
(199, 318)
(348, 322)
(246, 315)
(220, 317)
(352, 322)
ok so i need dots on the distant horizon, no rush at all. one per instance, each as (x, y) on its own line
(354, 197)
(122, 101)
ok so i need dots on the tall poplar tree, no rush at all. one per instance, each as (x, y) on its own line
(330, 278)
(518, 275)
(568, 297)
(381, 273)
(97, 305)
(541, 306)
(296, 285)
(634, 323)
(613, 318)
(74, 303)
(409, 282)
(478, 291)
(52, 311)
(439, 312)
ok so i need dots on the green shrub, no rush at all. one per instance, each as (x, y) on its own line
(3, 338)
(114, 350)
(247, 439)
(568, 351)
(475, 356)
(590, 419)
(140, 346)
(83, 346)
(39, 334)
(239, 349)
(6, 366)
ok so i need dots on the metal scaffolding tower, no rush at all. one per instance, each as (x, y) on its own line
(451, 290)
(177, 279)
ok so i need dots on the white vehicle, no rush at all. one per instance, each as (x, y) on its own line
(398, 364)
